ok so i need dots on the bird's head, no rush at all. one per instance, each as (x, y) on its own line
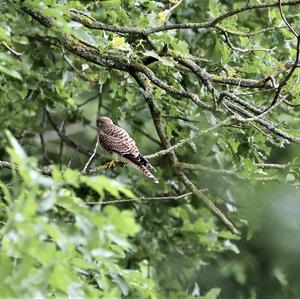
(103, 121)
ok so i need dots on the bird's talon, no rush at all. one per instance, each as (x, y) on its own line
(111, 164)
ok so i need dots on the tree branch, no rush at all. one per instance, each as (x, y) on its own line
(280, 3)
(295, 64)
(244, 50)
(45, 171)
(79, 73)
(140, 200)
(11, 50)
(264, 123)
(173, 159)
(66, 139)
(187, 140)
(111, 61)
(91, 157)
(92, 24)
(225, 172)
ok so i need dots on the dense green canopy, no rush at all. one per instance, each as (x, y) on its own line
(209, 90)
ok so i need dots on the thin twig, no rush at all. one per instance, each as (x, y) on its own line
(14, 52)
(61, 144)
(225, 172)
(91, 157)
(285, 20)
(139, 200)
(149, 136)
(246, 34)
(72, 157)
(66, 139)
(79, 73)
(88, 100)
(245, 50)
(186, 140)
(295, 64)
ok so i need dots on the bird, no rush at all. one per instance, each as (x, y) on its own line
(117, 142)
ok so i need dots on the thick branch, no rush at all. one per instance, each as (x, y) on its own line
(116, 62)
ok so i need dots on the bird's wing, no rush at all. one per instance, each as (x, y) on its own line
(128, 149)
(119, 141)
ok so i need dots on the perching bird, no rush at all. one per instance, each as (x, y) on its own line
(117, 141)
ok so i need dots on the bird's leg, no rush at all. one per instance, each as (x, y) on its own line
(110, 164)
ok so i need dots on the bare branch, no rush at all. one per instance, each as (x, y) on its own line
(66, 139)
(244, 50)
(246, 34)
(225, 172)
(280, 3)
(91, 157)
(7, 165)
(207, 78)
(79, 73)
(186, 140)
(264, 123)
(140, 200)
(273, 165)
(12, 51)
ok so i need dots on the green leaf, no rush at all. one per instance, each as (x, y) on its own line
(180, 46)
(4, 36)
(214, 7)
(228, 235)
(280, 276)
(62, 277)
(111, 3)
(212, 294)
(10, 72)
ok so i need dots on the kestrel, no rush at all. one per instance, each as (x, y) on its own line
(117, 141)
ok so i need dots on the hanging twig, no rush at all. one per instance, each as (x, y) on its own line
(91, 157)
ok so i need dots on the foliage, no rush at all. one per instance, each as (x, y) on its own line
(67, 233)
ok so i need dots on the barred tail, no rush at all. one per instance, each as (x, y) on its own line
(140, 164)
(151, 167)
(148, 174)
(143, 169)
